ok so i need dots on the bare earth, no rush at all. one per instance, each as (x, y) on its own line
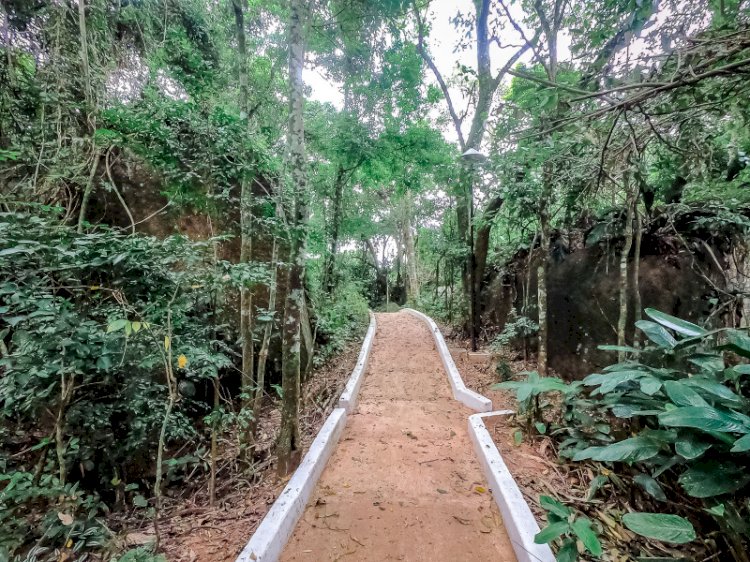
(403, 482)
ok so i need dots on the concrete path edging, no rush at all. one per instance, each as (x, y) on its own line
(518, 519)
(468, 397)
(271, 536)
(348, 399)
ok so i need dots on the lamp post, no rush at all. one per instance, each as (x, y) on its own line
(471, 157)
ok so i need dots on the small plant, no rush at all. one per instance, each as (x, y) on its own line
(529, 394)
(567, 528)
(517, 329)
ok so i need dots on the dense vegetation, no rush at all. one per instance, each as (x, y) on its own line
(170, 189)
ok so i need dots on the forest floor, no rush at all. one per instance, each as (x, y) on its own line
(192, 530)
(404, 482)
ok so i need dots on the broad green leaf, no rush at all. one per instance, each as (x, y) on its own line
(704, 418)
(117, 325)
(737, 341)
(691, 445)
(624, 348)
(673, 323)
(714, 388)
(657, 334)
(660, 526)
(742, 444)
(650, 385)
(582, 529)
(682, 395)
(553, 506)
(551, 532)
(630, 450)
(713, 478)
(651, 487)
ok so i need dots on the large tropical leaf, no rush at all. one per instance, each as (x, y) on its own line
(657, 334)
(673, 323)
(683, 395)
(713, 478)
(703, 418)
(630, 450)
(660, 526)
(691, 445)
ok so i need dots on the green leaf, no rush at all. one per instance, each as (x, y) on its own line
(673, 323)
(713, 478)
(660, 526)
(704, 418)
(737, 341)
(650, 385)
(742, 444)
(650, 486)
(117, 325)
(540, 427)
(582, 529)
(618, 348)
(657, 334)
(682, 395)
(568, 552)
(551, 532)
(140, 501)
(630, 450)
(553, 506)
(691, 445)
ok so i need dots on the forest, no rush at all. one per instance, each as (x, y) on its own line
(202, 200)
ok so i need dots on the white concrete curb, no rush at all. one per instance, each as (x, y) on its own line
(468, 397)
(271, 536)
(348, 399)
(517, 516)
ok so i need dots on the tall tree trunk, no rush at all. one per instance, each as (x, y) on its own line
(637, 303)
(246, 242)
(411, 256)
(622, 321)
(266, 342)
(289, 446)
(541, 291)
(329, 273)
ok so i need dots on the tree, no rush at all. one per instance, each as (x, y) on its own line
(289, 445)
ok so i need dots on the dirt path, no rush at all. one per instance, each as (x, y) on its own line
(403, 483)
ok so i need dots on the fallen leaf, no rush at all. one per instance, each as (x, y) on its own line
(65, 518)
(441, 491)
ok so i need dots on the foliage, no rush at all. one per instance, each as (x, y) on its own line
(83, 393)
(567, 527)
(676, 419)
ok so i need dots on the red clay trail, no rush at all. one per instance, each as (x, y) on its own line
(403, 482)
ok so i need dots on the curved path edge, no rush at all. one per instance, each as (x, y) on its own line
(468, 397)
(520, 522)
(269, 539)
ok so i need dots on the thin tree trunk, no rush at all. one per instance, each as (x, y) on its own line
(266, 342)
(214, 443)
(289, 446)
(411, 258)
(622, 321)
(637, 303)
(541, 292)
(329, 280)
(88, 190)
(246, 242)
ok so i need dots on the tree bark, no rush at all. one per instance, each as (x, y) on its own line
(289, 446)
(329, 273)
(247, 388)
(622, 321)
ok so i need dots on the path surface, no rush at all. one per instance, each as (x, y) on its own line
(403, 482)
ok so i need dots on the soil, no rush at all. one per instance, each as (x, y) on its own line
(192, 530)
(533, 463)
(404, 482)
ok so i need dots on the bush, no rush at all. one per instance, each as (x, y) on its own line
(676, 421)
(341, 319)
(83, 390)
